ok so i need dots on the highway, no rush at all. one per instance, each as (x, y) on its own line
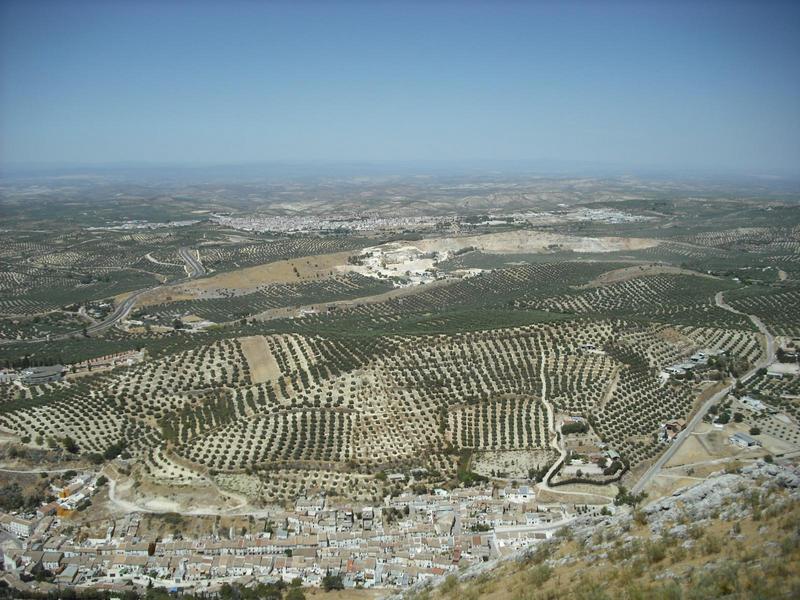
(120, 312)
(123, 310)
(653, 471)
(196, 268)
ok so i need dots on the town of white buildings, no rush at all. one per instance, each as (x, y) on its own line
(406, 539)
(369, 222)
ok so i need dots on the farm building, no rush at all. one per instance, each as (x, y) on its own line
(744, 441)
(37, 375)
(680, 368)
(672, 428)
(8, 375)
(781, 370)
(753, 404)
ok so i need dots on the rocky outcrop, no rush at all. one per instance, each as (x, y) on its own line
(724, 496)
(717, 496)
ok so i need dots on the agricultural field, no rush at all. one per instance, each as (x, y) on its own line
(275, 366)
(777, 307)
(344, 407)
(230, 257)
(269, 297)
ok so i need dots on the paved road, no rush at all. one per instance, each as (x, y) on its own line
(720, 300)
(120, 312)
(556, 443)
(653, 471)
(196, 268)
(124, 309)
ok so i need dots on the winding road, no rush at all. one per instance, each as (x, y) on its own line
(122, 310)
(654, 470)
(544, 484)
(551, 428)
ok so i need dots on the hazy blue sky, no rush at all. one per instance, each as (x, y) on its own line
(702, 84)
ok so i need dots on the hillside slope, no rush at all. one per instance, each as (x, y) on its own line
(734, 535)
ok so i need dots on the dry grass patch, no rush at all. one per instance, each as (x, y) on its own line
(263, 366)
(635, 271)
(249, 279)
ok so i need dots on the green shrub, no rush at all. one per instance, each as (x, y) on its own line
(539, 575)
(655, 552)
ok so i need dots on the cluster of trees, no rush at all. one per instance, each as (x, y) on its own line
(263, 591)
(392, 514)
(626, 497)
(113, 451)
(537, 475)
(463, 472)
(332, 582)
(12, 497)
(69, 444)
(575, 427)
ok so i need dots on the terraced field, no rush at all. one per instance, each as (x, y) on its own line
(777, 307)
(41, 273)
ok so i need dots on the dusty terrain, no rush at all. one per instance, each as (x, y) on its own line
(635, 271)
(515, 242)
(511, 464)
(263, 366)
(291, 311)
(138, 494)
(249, 279)
(578, 492)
